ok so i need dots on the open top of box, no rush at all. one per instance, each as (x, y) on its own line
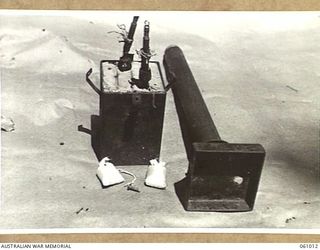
(115, 81)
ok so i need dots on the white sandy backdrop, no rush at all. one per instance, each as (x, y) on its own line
(259, 75)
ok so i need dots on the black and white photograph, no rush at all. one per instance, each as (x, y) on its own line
(160, 120)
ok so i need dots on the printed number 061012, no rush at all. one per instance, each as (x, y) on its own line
(314, 246)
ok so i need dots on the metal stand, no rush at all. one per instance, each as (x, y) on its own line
(221, 176)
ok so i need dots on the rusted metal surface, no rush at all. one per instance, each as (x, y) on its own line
(221, 176)
(129, 126)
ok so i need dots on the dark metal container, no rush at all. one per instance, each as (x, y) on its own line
(128, 129)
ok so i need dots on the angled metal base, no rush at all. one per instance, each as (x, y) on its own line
(223, 177)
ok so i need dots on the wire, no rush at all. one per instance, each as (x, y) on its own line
(123, 32)
(128, 173)
(141, 53)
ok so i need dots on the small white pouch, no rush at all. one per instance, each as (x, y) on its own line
(108, 174)
(156, 174)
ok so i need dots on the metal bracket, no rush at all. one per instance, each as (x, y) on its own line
(91, 83)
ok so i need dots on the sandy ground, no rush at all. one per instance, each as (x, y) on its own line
(261, 86)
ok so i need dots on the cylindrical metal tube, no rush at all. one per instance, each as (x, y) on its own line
(127, 44)
(133, 27)
(145, 72)
(145, 47)
(195, 120)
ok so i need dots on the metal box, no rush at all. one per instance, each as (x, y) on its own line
(129, 127)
